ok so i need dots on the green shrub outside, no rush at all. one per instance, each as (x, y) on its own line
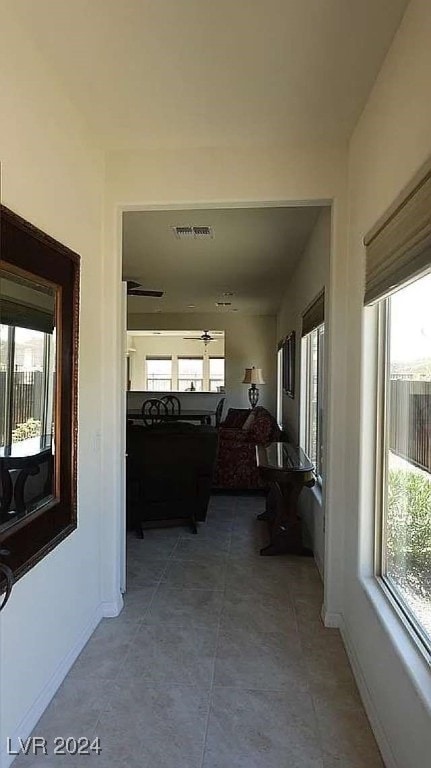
(30, 428)
(409, 530)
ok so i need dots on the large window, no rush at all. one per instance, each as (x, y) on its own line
(404, 498)
(159, 374)
(312, 392)
(216, 374)
(190, 374)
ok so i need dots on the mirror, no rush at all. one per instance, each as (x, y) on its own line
(39, 301)
(27, 388)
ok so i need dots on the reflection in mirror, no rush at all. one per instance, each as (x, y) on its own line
(27, 395)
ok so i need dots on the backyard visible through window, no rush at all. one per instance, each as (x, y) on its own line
(190, 374)
(216, 365)
(26, 384)
(159, 374)
(406, 540)
(312, 377)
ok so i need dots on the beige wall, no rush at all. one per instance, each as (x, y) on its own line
(310, 276)
(52, 176)
(390, 143)
(249, 340)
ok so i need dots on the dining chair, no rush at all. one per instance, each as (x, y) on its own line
(219, 411)
(173, 404)
(153, 411)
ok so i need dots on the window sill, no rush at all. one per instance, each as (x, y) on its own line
(413, 655)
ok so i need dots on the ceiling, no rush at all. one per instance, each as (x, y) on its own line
(201, 73)
(251, 255)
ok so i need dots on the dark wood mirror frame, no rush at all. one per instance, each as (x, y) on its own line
(27, 251)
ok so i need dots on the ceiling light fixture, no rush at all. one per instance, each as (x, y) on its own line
(223, 303)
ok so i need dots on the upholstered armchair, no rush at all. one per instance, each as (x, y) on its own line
(239, 434)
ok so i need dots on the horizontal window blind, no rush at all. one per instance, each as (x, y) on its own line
(314, 315)
(24, 316)
(399, 248)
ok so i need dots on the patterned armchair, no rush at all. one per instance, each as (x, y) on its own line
(239, 434)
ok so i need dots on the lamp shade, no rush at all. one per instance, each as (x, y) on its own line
(253, 376)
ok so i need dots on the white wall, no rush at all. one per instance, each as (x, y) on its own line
(52, 176)
(310, 276)
(390, 143)
(249, 340)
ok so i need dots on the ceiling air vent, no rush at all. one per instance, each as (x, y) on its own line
(197, 233)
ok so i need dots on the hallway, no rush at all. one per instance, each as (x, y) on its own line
(218, 660)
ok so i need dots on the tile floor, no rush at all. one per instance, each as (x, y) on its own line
(218, 660)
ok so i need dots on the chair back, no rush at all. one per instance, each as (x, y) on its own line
(219, 411)
(172, 403)
(153, 411)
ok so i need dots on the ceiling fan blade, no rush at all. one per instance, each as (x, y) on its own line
(143, 292)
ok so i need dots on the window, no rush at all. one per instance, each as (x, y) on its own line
(404, 480)
(159, 374)
(216, 374)
(280, 386)
(312, 384)
(190, 374)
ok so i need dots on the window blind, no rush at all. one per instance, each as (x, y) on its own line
(314, 315)
(399, 247)
(25, 316)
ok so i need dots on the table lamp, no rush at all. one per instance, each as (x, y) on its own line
(253, 376)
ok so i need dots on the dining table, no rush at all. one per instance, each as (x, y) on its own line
(202, 415)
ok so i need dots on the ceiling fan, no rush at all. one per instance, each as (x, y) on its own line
(206, 337)
(136, 289)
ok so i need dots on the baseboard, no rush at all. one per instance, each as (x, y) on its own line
(38, 707)
(331, 618)
(113, 608)
(367, 700)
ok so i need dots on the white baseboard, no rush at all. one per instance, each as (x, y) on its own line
(113, 608)
(38, 707)
(367, 700)
(332, 619)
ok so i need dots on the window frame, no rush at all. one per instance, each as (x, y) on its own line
(210, 379)
(382, 442)
(305, 409)
(171, 377)
(193, 378)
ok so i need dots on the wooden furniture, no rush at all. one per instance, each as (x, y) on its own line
(173, 403)
(169, 474)
(219, 411)
(19, 461)
(286, 469)
(202, 416)
(153, 411)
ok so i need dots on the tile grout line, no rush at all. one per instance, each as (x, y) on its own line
(210, 698)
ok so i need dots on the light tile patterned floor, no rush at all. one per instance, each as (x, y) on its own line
(218, 660)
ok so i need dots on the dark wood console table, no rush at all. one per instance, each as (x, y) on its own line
(286, 469)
